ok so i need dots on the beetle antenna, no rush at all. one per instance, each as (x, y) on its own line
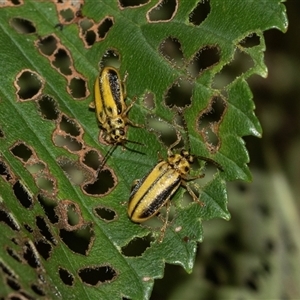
(112, 149)
(209, 160)
(134, 142)
(109, 152)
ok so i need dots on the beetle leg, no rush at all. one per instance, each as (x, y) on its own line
(125, 113)
(92, 105)
(164, 227)
(193, 195)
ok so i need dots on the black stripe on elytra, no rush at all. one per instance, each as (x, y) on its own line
(114, 84)
(139, 184)
(160, 199)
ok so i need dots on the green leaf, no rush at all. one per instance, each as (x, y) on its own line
(65, 229)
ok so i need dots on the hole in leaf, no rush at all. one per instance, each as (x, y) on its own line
(105, 182)
(69, 126)
(16, 2)
(149, 100)
(111, 57)
(15, 241)
(22, 151)
(5, 269)
(44, 229)
(85, 24)
(104, 27)
(38, 290)
(78, 88)
(1, 133)
(200, 12)
(68, 142)
(93, 275)
(22, 296)
(69, 215)
(28, 228)
(170, 49)
(90, 37)
(73, 218)
(166, 133)
(66, 277)
(30, 256)
(241, 63)
(48, 206)
(215, 113)
(4, 171)
(72, 169)
(92, 159)
(13, 284)
(6, 218)
(28, 84)
(22, 25)
(22, 195)
(48, 45)
(67, 14)
(35, 168)
(179, 94)
(164, 11)
(45, 184)
(48, 107)
(43, 248)
(11, 252)
(137, 246)
(106, 214)
(62, 62)
(78, 240)
(251, 40)
(132, 3)
(204, 59)
(208, 121)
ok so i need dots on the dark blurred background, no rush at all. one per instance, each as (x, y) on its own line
(256, 254)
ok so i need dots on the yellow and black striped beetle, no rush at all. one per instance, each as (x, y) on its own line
(153, 191)
(110, 107)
